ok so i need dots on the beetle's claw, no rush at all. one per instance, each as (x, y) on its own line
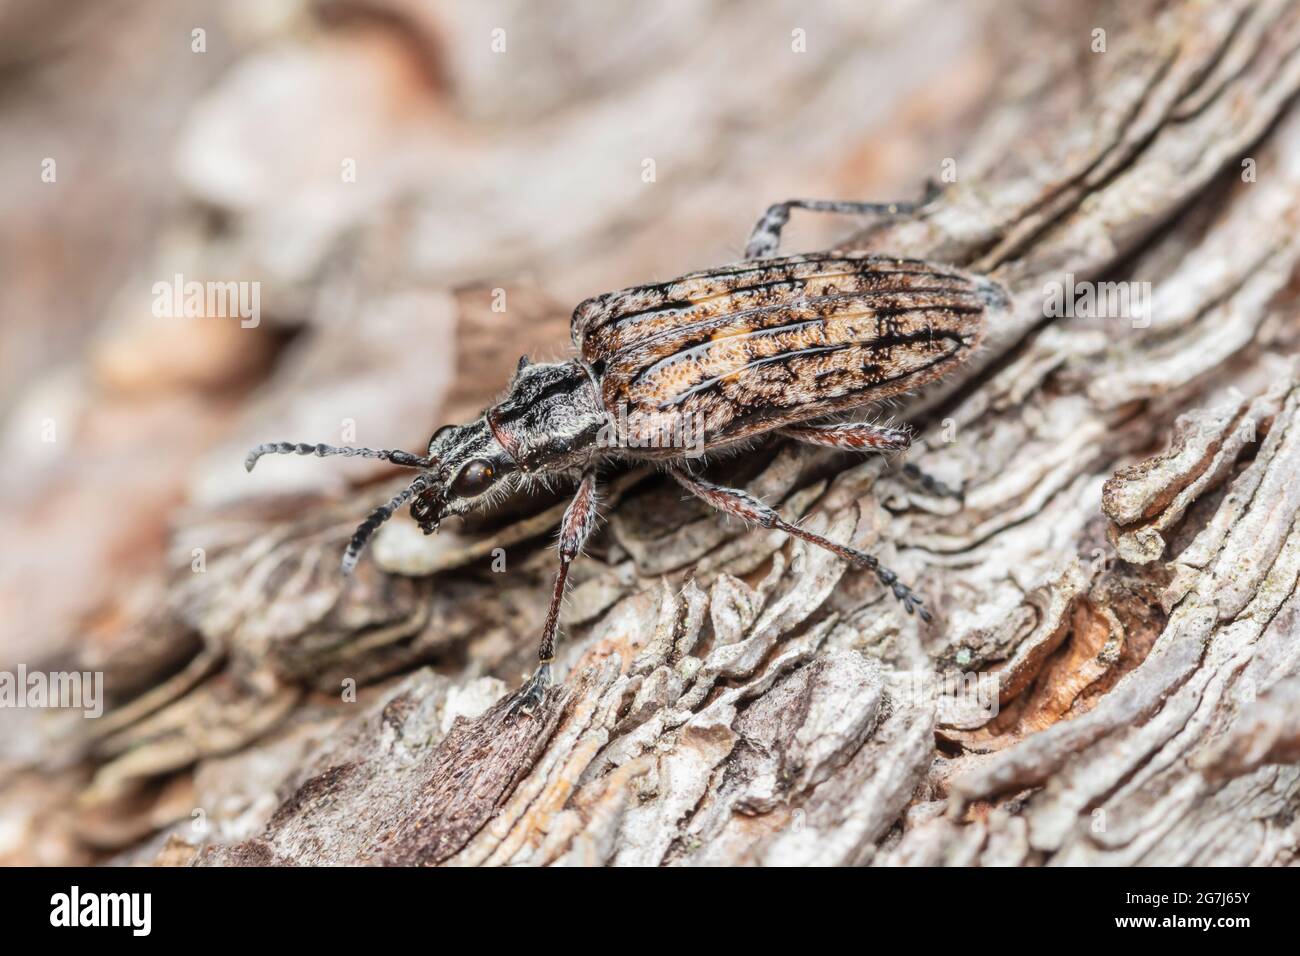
(533, 694)
(912, 602)
(932, 485)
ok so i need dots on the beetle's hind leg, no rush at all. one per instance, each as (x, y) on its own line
(851, 436)
(765, 238)
(745, 506)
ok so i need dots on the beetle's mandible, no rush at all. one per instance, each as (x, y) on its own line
(768, 344)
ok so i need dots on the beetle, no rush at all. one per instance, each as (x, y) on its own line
(769, 344)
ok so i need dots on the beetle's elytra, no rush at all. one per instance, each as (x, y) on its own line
(768, 344)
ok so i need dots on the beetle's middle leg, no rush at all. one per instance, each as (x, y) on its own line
(575, 527)
(745, 506)
(855, 436)
(765, 238)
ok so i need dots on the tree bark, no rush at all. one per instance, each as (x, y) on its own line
(1112, 676)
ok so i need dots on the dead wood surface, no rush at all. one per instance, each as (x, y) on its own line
(1121, 577)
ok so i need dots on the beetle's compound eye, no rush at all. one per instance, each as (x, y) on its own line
(474, 479)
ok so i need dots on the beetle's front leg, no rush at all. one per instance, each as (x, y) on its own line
(765, 238)
(745, 506)
(575, 527)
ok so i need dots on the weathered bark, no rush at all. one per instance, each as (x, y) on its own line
(1121, 578)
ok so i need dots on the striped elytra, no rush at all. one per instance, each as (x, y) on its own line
(773, 342)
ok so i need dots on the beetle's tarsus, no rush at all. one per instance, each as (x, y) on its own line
(533, 694)
(911, 601)
(932, 485)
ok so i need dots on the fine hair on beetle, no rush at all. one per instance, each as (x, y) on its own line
(792, 346)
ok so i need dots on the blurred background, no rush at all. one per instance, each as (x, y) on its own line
(417, 192)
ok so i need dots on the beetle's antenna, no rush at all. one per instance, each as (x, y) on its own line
(403, 458)
(375, 519)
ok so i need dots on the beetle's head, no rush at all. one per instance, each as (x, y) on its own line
(467, 464)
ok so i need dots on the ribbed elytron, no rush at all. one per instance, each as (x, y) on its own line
(767, 344)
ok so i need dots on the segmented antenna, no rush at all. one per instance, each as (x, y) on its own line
(375, 519)
(403, 458)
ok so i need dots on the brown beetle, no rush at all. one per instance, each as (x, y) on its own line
(768, 344)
